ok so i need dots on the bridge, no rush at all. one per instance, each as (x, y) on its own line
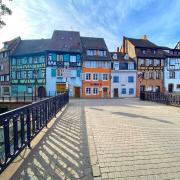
(94, 139)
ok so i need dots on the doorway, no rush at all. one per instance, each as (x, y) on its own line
(116, 92)
(105, 92)
(170, 88)
(77, 91)
(41, 92)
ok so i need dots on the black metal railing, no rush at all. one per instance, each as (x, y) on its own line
(164, 98)
(23, 97)
(18, 127)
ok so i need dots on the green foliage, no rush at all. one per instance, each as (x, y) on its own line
(4, 10)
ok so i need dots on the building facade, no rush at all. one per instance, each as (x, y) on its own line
(150, 62)
(5, 52)
(96, 68)
(172, 71)
(28, 68)
(123, 76)
(63, 70)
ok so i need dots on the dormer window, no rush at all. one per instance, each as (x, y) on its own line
(144, 51)
(114, 56)
(126, 56)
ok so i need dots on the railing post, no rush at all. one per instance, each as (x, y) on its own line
(28, 128)
(6, 139)
(22, 128)
(15, 133)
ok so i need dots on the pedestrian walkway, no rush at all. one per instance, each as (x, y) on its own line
(108, 139)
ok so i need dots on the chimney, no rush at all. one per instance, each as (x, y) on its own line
(117, 49)
(144, 37)
(124, 45)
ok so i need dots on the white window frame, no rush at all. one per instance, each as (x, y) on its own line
(96, 89)
(86, 91)
(96, 79)
(105, 79)
(73, 59)
(89, 76)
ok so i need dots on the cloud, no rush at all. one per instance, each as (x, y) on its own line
(108, 19)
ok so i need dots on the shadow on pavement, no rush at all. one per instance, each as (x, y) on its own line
(63, 151)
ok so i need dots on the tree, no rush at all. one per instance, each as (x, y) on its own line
(4, 10)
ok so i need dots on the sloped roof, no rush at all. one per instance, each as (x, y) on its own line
(10, 44)
(142, 43)
(93, 43)
(121, 57)
(66, 41)
(32, 46)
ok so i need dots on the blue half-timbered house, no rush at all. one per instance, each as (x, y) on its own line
(63, 69)
(28, 68)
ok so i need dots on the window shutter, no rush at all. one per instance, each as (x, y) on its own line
(53, 72)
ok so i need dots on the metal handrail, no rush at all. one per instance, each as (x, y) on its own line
(165, 98)
(19, 126)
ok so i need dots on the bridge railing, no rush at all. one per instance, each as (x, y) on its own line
(165, 98)
(18, 127)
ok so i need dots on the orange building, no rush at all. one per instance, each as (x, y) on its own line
(96, 68)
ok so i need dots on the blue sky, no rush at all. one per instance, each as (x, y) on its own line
(110, 19)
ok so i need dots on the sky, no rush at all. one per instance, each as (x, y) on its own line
(110, 19)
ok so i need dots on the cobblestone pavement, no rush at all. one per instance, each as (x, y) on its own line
(124, 138)
(135, 139)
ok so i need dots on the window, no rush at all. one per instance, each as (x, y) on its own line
(130, 79)
(115, 79)
(88, 91)
(59, 72)
(116, 66)
(114, 56)
(6, 90)
(88, 76)
(105, 77)
(95, 91)
(73, 73)
(123, 91)
(95, 77)
(151, 75)
(72, 58)
(150, 62)
(88, 52)
(131, 66)
(144, 51)
(149, 88)
(13, 61)
(141, 62)
(1, 67)
(157, 62)
(131, 91)
(154, 51)
(29, 90)
(172, 75)
(59, 57)
(178, 86)
(158, 75)
(2, 78)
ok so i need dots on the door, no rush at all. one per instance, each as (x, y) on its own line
(77, 91)
(41, 92)
(170, 88)
(105, 92)
(60, 88)
(116, 92)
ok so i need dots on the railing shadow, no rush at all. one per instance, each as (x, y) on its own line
(63, 151)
